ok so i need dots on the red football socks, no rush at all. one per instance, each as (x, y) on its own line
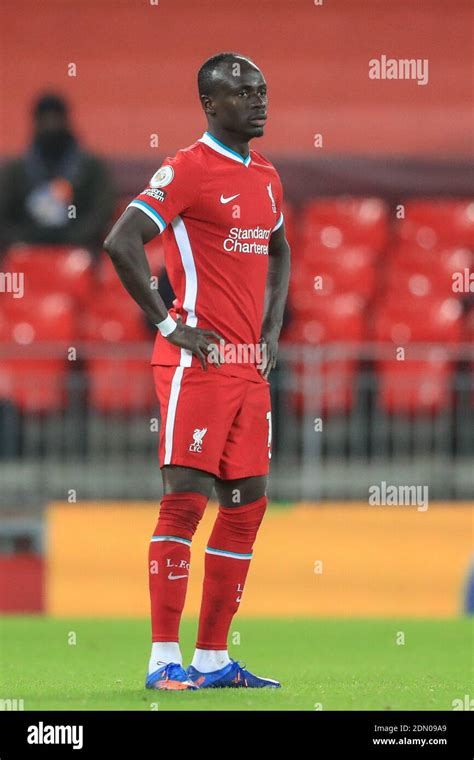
(227, 562)
(168, 561)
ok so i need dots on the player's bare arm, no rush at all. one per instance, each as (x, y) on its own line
(279, 257)
(125, 246)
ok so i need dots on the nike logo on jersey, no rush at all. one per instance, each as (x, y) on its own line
(231, 198)
(172, 577)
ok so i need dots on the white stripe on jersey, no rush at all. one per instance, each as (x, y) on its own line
(279, 223)
(149, 211)
(190, 293)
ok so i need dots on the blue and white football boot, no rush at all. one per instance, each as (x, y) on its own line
(233, 675)
(170, 677)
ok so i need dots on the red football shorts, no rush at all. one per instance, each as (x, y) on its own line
(213, 422)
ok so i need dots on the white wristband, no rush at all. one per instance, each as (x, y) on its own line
(167, 326)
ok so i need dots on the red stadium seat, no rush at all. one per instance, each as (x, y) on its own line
(312, 291)
(415, 386)
(30, 381)
(446, 270)
(434, 222)
(311, 254)
(411, 290)
(108, 282)
(435, 320)
(468, 331)
(118, 382)
(53, 269)
(340, 221)
(468, 337)
(344, 270)
(109, 319)
(339, 320)
(121, 384)
(329, 383)
(107, 276)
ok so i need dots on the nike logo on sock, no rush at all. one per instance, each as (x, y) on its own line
(172, 577)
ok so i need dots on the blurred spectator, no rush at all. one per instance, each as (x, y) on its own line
(56, 192)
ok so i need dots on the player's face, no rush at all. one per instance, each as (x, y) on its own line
(240, 102)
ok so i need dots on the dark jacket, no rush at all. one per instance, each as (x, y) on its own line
(38, 202)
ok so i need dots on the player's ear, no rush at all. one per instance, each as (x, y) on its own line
(208, 104)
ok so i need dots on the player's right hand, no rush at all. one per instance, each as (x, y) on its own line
(199, 341)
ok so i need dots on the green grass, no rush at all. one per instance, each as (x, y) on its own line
(342, 664)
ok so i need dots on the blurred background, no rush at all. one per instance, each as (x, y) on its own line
(375, 377)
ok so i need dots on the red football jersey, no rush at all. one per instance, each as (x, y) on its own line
(217, 212)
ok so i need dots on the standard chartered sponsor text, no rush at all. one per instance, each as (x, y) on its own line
(235, 242)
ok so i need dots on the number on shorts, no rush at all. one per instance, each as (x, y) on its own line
(269, 418)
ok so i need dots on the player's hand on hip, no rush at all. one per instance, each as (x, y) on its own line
(269, 351)
(199, 341)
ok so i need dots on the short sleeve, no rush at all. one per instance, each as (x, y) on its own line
(278, 203)
(171, 190)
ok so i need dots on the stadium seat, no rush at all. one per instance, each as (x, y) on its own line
(53, 269)
(468, 337)
(438, 222)
(333, 222)
(121, 385)
(437, 320)
(313, 253)
(111, 320)
(118, 364)
(344, 270)
(330, 378)
(409, 290)
(311, 292)
(329, 383)
(35, 334)
(416, 386)
(414, 383)
(108, 278)
(445, 269)
(108, 281)
(468, 331)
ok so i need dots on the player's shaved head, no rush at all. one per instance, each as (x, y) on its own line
(233, 94)
(213, 71)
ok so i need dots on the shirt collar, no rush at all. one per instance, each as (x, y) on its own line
(215, 144)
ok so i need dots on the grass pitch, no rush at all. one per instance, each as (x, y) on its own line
(83, 664)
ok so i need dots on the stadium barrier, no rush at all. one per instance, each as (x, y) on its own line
(335, 560)
(345, 417)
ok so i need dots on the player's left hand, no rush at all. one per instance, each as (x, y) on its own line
(269, 343)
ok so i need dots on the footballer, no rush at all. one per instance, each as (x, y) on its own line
(218, 206)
